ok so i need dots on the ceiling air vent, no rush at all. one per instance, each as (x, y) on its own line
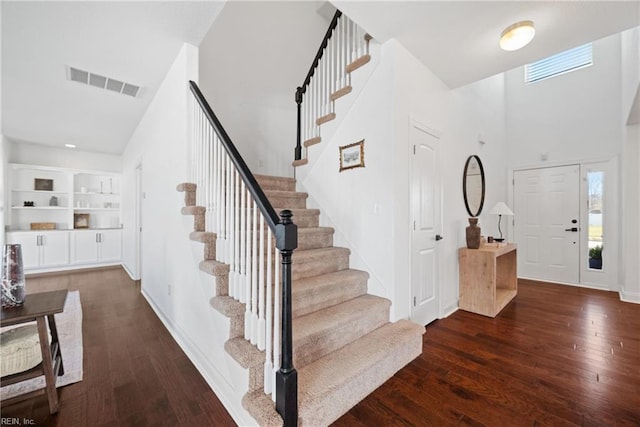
(102, 82)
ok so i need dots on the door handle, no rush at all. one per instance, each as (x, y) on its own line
(439, 237)
(572, 229)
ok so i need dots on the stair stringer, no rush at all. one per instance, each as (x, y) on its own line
(229, 380)
(359, 79)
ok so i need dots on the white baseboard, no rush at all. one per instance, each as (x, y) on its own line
(449, 311)
(633, 297)
(212, 376)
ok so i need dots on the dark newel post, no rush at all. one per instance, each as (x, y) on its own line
(287, 376)
(298, 153)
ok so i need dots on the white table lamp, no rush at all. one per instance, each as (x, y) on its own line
(500, 209)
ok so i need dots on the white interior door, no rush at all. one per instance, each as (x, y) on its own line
(546, 223)
(425, 209)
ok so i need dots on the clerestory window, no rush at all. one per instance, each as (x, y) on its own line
(560, 63)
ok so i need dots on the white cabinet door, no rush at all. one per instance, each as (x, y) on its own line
(85, 247)
(30, 248)
(110, 245)
(55, 249)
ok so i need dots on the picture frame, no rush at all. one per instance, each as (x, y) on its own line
(352, 156)
(43, 184)
(80, 220)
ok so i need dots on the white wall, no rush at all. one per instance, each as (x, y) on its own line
(251, 82)
(171, 281)
(571, 117)
(460, 116)
(574, 118)
(43, 155)
(631, 164)
(400, 89)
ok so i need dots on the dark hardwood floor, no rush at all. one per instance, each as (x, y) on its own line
(557, 355)
(134, 373)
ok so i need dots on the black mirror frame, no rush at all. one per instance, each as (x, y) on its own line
(464, 186)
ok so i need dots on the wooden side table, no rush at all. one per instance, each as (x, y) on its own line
(488, 278)
(37, 307)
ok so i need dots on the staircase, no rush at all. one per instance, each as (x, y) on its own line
(343, 344)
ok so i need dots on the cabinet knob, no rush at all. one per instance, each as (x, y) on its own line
(439, 237)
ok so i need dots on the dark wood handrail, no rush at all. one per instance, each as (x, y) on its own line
(286, 235)
(250, 181)
(302, 89)
(323, 45)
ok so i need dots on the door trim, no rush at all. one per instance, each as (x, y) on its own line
(414, 123)
(613, 162)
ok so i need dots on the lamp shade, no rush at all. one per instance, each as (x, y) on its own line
(517, 35)
(500, 209)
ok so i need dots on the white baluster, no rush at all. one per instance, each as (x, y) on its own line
(276, 320)
(261, 288)
(248, 285)
(233, 292)
(236, 236)
(243, 243)
(217, 172)
(268, 363)
(211, 206)
(254, 276)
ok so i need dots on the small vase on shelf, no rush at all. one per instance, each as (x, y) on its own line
(13, 290)
(473, 234)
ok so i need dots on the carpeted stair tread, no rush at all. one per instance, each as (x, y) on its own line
(314, 237)
(213, 267)
(332, 385)
(245, 353)
(193, 210)
(303, 217)
(262, 409)
(227, 306)
(313, 262)
(203, 236)
(315, 293)
(186, 186)
(268, 182)
(323, 331)
(290, 199)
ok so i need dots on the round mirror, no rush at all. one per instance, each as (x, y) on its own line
(473, 185)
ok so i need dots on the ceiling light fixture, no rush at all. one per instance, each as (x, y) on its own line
(69, 145)
(517, 35)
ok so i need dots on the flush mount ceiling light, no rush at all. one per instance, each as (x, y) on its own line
(517, 35)
(69, 145)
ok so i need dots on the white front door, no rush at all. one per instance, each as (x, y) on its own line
(425, 225)
(546, 223)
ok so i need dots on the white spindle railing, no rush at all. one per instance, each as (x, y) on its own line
(243, 241)
(348, 42)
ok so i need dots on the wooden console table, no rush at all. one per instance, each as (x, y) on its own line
(37, 307)
(488, 278)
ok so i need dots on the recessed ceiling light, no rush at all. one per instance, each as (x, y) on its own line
(517, 35)
(69, 145)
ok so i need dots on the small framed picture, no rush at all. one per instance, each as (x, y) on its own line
(42, 184)
(80, 220)
(352, 156)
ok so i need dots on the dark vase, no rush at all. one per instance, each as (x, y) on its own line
(473, 234)
(595, 263)
(13, 291)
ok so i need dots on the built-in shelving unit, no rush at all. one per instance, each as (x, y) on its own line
(73, 202)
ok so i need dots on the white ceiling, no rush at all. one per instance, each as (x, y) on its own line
(458, 40)
(135, 42)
